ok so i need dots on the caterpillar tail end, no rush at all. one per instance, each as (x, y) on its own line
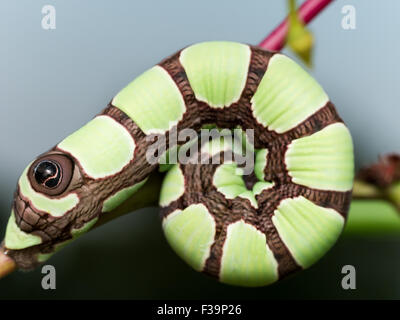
(7, 265)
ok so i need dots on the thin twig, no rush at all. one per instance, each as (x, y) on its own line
(275, 41)
(7, 265)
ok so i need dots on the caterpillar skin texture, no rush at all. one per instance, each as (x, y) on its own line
(249, 234)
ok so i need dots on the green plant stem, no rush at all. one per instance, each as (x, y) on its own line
(363, 190)
(372, 217)
(366, 191)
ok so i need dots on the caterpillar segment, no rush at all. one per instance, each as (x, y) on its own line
(243, 229)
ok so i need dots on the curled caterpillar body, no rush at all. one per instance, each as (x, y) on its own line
(248, 230)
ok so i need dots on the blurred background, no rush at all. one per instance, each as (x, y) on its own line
(54, 81)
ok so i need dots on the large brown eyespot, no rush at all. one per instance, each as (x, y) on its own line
(51, 174)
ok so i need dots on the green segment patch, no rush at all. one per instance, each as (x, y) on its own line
(260, 163)
(246, 258)
(121, 196)
(228, 179)
(152, 100)
(53, 206)
(260, 186)
(75, 233)
(307, 230)
(16, 239)
(286, 96)
(323, 160)
(173, 186)
(217, 71)
(191, 233)
(103, 147)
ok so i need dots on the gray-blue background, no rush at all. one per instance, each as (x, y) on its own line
(52, 82)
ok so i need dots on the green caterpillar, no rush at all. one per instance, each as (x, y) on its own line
(248, 230)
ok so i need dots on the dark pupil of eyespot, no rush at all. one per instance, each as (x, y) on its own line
(48, 173)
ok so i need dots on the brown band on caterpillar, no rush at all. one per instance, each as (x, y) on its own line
(339, 201)
(336, 200)
(320, 119)
(286, 263)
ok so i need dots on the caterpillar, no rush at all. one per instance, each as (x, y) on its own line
(243, 229)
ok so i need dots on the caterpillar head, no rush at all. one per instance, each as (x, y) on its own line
(49, 209)
(62, 193)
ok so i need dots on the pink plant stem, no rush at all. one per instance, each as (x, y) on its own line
(275, 41)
